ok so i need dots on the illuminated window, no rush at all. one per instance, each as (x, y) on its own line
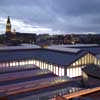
(80, 71)
(62, 72)
(4, 64)
(84, 59)
(50, 67)
(87, 59)
(41, 65)
(77, 63)
(80, 62)
(56, 70)
(68, 72)
(7, 64)
(16, 63)
(11, 64)
(38, 63)
(20, 63)
(34, 61)
(95, 61)
(46, 66)
(29, 61)
(73, 64)
(77, 71)
(74, 72)
(98, 62)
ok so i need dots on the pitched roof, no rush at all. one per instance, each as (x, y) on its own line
(92, 70)
(50, 56)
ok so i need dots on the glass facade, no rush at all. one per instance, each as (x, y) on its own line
(75, 68)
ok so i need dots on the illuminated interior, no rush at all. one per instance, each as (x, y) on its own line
(72, 70)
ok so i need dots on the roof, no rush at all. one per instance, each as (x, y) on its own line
(62, 48)
(98, 56)
(50, 56)
(75, 45)
(93, 48)
(92, 70)
(23, 46)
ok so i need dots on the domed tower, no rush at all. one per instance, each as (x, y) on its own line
(8, 25)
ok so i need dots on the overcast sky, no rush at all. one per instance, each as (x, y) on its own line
(51, 16)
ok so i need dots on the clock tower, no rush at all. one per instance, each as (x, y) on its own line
(8, 25)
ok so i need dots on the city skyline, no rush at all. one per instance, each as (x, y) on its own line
(51, 16)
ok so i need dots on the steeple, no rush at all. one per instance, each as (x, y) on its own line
(8, 25)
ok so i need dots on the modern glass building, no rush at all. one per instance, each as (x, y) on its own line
(60, 61)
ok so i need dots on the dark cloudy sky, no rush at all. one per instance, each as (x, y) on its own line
(51, 16)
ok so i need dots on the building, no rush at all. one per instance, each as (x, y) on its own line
(91, 76)
(16, 38)
(8, 25)
(60, 61)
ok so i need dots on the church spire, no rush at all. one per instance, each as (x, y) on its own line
(8, 20)
(8, 25)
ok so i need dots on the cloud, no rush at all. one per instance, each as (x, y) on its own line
(65, 16)
(23, 27)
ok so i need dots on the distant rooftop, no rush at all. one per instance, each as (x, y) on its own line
(23, 46)
(93, 48)
(83, 45)
(76, 45)
(62, 48)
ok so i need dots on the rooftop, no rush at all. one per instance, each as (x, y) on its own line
(63, 49)
(23, 46)
(93, 48)
(50, 56)
(93, 70)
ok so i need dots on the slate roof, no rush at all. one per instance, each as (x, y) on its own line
(50, 56)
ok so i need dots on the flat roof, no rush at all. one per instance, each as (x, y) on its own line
(61, 48)
(22, 46)
(93, 48)
(75, 45)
